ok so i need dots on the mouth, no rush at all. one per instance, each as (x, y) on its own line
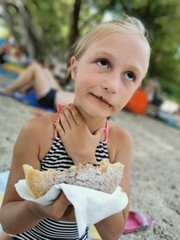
(101, 99)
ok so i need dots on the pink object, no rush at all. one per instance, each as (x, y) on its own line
(137, 222)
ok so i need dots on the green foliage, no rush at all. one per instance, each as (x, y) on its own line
(164, 23)
(162, 19)
(52, 21)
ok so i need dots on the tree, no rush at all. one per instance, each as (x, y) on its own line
(17, 17)
(74, 28)
(51, 27)
(160, 17)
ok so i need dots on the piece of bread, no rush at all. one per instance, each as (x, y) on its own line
(104, 177)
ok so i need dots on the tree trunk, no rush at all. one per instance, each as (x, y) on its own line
(21, 27)
(74, 29)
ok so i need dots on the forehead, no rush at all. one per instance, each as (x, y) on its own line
(127, 49)
(121, 40)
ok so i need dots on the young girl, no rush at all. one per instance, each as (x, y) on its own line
(108, 65)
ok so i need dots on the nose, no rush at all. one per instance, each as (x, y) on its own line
(112, 83)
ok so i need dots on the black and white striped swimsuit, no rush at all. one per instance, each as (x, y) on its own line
(49, 229)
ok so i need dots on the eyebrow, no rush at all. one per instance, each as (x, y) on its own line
(136, 69)
(103, 53)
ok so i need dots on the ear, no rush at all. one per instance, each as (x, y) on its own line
(73, 63)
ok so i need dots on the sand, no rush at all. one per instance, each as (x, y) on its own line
(155, 178)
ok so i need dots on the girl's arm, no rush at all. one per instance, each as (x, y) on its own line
(16, 214)
(112, 227)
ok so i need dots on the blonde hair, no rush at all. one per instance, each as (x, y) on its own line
(127, 25)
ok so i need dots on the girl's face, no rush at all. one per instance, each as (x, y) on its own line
(108, 73)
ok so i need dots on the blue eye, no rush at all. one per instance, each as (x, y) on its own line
(103, 63)
(129, 76)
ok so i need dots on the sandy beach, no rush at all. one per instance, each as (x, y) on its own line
(155, 170)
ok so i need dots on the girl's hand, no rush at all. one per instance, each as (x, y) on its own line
(78, 141)
(54, 211)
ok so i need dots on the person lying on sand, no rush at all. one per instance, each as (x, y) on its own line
(41, 80)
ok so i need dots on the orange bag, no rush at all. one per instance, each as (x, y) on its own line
(138, 102)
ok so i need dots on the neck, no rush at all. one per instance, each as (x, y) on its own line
(93, 123)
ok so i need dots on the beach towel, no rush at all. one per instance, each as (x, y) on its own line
(11, 70)
(4, 72)
(13, 67)
(3, 181)
(31, 99)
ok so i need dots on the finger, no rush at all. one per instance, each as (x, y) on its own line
(73, 116)
(59, 128)
(76, 114)
(67, 119)
(64, 122)
(68, 114)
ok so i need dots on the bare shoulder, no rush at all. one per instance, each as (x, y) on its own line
(120, 135)
(36, 137)
(39, 125)
(120, 143)
(39, 122)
